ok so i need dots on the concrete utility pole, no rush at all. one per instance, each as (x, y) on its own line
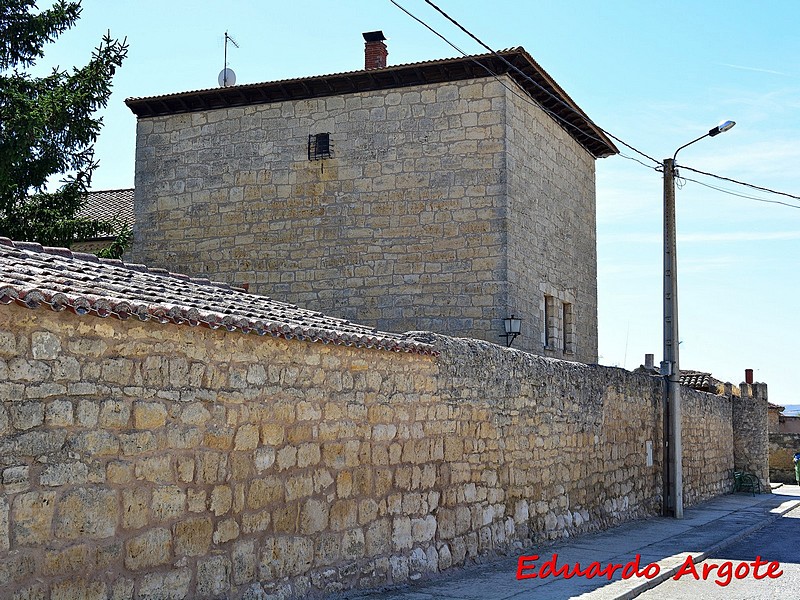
(670, 367)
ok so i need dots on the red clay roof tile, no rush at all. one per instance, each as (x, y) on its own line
(33, 276)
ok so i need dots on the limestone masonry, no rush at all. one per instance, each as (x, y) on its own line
(443, 206)
(142, 460)
(784, 442)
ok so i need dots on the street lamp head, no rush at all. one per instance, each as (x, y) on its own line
(721, 128)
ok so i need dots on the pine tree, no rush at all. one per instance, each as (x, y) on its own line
(47, 127)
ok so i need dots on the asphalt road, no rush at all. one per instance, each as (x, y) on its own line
(778, 542)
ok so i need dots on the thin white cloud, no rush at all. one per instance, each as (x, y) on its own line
(765, 159)
(747, 236)
(732, 236)
(704, 265)
(756, 69)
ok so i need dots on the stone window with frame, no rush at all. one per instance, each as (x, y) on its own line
(559, 326)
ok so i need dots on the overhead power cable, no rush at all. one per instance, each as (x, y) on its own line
(616, 139)
(432, 30)
(644, 164)
(750, 185)
(746, 196)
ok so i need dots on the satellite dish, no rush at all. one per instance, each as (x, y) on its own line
(226, 77)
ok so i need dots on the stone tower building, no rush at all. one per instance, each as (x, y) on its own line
(444, 195)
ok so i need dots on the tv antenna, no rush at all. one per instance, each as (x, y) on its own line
(227, 76)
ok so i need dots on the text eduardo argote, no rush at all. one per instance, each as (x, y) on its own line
(721, 572)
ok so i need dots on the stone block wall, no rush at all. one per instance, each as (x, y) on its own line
(412, 223)
(141, 460)
(568, 440)
(401, 228)
(751, 428)
(551, 220)
(782, 447)
(708, 432)
(773, 418)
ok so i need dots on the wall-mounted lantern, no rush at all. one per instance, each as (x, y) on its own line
(512, 326)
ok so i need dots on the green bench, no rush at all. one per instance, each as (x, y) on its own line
(746, 482)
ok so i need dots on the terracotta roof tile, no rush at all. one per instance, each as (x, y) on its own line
(109, 205)
(33, 277)
(697, 380)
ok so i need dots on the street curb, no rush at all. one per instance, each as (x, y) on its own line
(698, 558)
(755, 527)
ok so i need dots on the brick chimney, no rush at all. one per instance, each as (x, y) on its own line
(748, 375)
(375, 51)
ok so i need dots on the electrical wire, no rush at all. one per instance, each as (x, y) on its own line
(616, 139)
(656, 168)
(750, 185)
(525, 98)
(433, 31)
(732, 193)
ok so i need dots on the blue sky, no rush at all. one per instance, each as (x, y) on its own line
(655, 75)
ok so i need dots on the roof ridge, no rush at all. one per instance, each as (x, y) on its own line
(125, 189)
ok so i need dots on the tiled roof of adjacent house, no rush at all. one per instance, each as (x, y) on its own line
(109, 205)
(57, 278)
(697, 380)
(514, 62)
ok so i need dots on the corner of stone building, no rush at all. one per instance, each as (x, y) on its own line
(750, 415)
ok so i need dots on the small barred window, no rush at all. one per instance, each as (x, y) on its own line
(319, 146)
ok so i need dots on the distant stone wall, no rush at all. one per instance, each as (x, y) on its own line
(788, 424)
(773, 417)
(91, 246)
(708, 432)
(143, 460)
(782, 448)
(751, 425)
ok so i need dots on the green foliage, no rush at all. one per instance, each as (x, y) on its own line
(47, 127)
(119, 245)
